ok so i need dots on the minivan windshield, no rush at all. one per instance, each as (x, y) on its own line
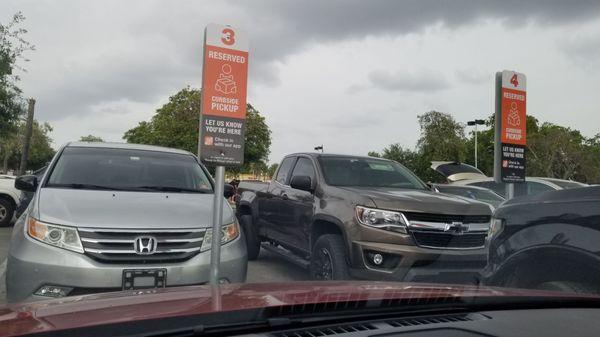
(128, 169)
(363, 172)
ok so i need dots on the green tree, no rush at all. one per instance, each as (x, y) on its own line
(12, 47)
(175, 124)
(91, 138)
(442, 138)
(40, 148)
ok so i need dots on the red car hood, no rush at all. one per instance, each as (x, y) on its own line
(90, 310)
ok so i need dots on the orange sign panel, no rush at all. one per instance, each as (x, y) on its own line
(225, 74)
(514, 118)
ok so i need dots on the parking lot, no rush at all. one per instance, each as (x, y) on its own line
(268, 268)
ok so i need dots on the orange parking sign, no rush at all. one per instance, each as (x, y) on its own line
(511, 127)
(224, 83)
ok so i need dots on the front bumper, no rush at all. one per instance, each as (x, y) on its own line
(32, 264)
(417, 264)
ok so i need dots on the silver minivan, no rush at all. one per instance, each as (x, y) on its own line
(111, 217)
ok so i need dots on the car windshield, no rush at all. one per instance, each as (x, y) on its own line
(125, 169)
(360, 172)
(175, 158)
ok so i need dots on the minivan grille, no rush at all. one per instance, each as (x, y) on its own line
(117, 245)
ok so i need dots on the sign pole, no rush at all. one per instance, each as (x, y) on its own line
(475, 145)
(222, 121)
(497, 128)
(217, 219)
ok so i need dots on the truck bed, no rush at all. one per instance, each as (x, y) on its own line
(254, 186)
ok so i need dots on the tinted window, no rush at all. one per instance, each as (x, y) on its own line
(127, 169)
(284, 170)
(535, 188)
(492, 185)
(351, 171)
(473, 193)
(453, 168)
(304, 167)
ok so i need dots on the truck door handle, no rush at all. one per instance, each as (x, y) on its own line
(284, 196)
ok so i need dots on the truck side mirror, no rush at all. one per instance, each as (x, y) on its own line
(228, 191)
(303, 183)
(28, 183)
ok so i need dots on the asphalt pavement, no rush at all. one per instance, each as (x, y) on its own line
(268, 267)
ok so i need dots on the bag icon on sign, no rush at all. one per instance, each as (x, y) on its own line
(225, 83)
(513, 116)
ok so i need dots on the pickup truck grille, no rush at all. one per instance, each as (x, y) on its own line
(444, 240)
(448, 231)
(446, 218)
(117, 245)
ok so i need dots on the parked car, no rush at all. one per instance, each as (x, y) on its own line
(26, 196)
(111, 216)
(9, 199)
(363, 217)
(462, 174)
(473, 192)
(547, 241)
(532, 185)
(455, 171)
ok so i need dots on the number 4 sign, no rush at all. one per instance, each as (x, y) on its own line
(514, 80)
(510, 131)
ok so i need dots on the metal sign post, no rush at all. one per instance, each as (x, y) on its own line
(510, 130)
(223, 119)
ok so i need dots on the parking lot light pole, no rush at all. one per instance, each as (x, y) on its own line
(476, 122)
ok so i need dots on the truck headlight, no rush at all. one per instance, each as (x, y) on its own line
(230, 232)
(55, 235)
(382, 219)
(496, 227)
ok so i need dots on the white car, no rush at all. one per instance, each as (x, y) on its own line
(9, 199)
(467, 175)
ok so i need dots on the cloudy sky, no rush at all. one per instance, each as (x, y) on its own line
(352, 75)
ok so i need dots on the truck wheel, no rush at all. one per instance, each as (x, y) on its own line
(6, 212)
(328, 259)
(568, 287)
(252, 240)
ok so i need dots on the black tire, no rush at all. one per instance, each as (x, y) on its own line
(252, 239)
(328, 259)
(7, 211)
(567, 287)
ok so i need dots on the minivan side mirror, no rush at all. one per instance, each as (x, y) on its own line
(228, 191)
(303, 183)
(27, 183)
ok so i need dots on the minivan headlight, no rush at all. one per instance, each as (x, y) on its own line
(55, 235)
(230, 232)
(382, 219)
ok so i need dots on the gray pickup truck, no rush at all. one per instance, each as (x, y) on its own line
(363, 217)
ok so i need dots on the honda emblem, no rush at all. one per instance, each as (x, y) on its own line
(145, 245)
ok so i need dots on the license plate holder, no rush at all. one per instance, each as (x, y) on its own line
(144, 278)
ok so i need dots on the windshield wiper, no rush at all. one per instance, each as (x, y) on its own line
(87, 187)
(171, 189)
